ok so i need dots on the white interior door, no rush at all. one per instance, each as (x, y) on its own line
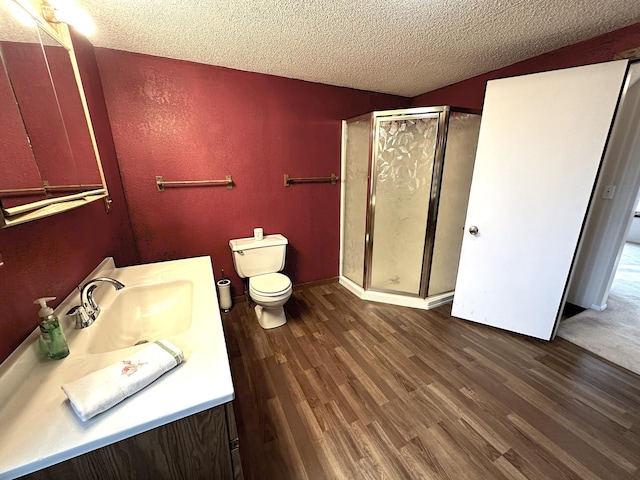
(541, 141)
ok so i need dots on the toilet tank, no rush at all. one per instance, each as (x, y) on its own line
(256, 257)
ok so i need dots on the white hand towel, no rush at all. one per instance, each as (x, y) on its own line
(98, 391)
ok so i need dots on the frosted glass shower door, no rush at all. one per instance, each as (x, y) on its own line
(403, 167)
(356, 159)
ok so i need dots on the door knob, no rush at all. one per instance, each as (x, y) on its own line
(473, 230)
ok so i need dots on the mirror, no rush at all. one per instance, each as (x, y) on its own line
(18, 168)
(48, 157)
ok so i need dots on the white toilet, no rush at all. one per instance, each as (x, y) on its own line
(260, 261)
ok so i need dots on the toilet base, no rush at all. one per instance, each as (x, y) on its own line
(270, 317)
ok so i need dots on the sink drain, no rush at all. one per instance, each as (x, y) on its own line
(140, 342)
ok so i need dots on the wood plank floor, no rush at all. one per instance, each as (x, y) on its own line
(357, 390)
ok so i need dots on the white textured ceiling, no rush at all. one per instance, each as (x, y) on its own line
(404, 47)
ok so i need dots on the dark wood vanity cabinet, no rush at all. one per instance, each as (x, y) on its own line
(201, 446)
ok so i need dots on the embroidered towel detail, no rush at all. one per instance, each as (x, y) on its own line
(98, 391)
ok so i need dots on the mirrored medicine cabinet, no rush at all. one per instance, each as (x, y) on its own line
(49, 161)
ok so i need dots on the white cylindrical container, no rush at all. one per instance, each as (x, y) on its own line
(224, 294)
(258, 233)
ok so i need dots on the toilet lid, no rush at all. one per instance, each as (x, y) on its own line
(269, 284)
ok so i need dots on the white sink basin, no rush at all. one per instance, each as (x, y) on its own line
(175, 300)
(141, 314)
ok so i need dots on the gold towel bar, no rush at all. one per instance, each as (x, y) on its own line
(288, 180)
(228, 181)
(21, 192)
(71, 188)
(46, 188)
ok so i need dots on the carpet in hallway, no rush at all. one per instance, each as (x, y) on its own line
(614, 333)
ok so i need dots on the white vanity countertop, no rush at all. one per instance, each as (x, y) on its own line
(38, 427)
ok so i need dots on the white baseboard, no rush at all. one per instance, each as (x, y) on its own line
(598, 308)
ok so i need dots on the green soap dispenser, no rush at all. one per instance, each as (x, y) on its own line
(50, 331)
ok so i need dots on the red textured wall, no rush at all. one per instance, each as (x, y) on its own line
(189, 121)
(470, 93)
(52, 255)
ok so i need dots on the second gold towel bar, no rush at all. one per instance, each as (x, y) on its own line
(161, 183)
(332, 179)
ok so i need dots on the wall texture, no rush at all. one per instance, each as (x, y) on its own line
(470, 93)
(52, 255)
(188, 121)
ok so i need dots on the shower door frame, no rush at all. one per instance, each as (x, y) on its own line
(343, 175)
(434, 195)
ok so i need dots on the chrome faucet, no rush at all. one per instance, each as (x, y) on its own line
(88, 310)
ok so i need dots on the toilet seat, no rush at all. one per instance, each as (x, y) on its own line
(269, 285)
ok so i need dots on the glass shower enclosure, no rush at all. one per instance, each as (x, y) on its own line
(406, 176)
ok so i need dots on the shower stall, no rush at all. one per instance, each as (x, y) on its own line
(406, 176)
